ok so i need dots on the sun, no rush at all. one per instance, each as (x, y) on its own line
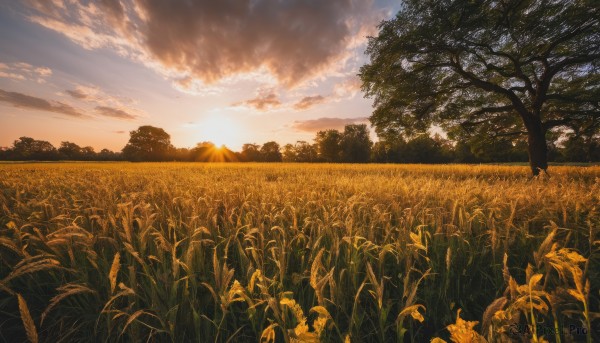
(220, 130)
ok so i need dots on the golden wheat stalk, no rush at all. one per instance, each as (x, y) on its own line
(114, 270)
(28, 323)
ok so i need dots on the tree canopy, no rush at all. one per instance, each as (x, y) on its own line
(148, 143)
(489, 68)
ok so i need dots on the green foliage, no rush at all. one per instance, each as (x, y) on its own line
(270, 152)
(328, 145)
(148, 143)
(355, 143)
(488, 68)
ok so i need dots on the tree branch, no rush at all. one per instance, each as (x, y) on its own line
(492, 87)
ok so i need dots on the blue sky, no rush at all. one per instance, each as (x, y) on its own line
(231, 72)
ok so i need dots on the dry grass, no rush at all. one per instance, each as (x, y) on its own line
(297, 252)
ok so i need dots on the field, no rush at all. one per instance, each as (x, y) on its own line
(175, 252)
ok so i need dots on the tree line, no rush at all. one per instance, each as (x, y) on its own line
(352, 145)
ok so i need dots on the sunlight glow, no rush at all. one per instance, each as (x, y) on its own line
(220, 130)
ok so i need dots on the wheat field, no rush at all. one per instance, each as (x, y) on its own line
(177, 252)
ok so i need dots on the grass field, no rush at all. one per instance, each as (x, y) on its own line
(175, 252)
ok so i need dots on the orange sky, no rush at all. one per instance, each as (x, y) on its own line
(231, 72)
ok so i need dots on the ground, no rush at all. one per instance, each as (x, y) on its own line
(330, 252)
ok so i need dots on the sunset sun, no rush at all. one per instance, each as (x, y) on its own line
(219, 130)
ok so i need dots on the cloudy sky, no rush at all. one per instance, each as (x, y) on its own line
(228, 71)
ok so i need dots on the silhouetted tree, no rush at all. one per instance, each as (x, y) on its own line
(250, 152)
(463, 153)
(148, 143)
(328, 145)
(108, 155)
(305, 152)
(269, 152)
(356, 143)
(499, 68)
(577, 148)
(202, 152)
(69, 151)
(289, 153)
(88, 153)
(27, 148)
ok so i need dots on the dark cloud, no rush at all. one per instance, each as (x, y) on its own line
(26, 101)
(120, 132)
(314, 125)
(114, 113)
(262, 102)
(309, 101)
(295, 40)
(77, 94)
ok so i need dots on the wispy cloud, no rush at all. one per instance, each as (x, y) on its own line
(309, 101)
(264, 101)
(115, 113)
(314, 125)
(24, 71)
(347, 88)
(21, 100)
(293, 40)
(105, 104)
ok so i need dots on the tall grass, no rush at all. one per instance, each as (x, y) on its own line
(288, 253)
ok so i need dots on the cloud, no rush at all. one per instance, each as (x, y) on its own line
(309, 101)
(105, 104)
(94, 94)
(114, 113)
(264, 101)
(77, 94)
(120, 132)
(206, 40)
(314, 125)
(24, 71)
(21, 100)
(348, 88)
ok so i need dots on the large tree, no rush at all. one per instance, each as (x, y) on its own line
(270, 152)
(148, 143)
(328, 145)
(356, 143)
(495, 68)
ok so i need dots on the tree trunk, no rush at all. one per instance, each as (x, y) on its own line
(537, 148)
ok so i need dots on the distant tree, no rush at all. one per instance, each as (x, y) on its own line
(202, 152)
(463, 153)
(328, 145)
(270, 152)
(305, 152)
(250, 152)
(356, 143)
(88, 153)
(69, 151)
(27, 148)
(578, 148)
(148, 143)
(108, 155)
(423, 149)
(379, 152)
(498, 150)
(289, 153)
(499, 68)
(4, 153)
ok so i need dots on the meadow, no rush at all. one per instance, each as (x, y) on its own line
(175, 252)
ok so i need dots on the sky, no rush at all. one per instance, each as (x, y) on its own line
(227, 71)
